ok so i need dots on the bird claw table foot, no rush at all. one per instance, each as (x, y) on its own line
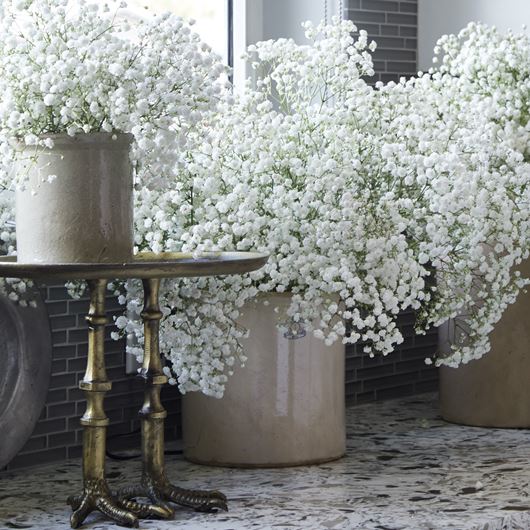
(98, 497)
(161, 492)
(146, 511)
(200, 500)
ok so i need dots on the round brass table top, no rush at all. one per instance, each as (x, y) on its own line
(144, 265)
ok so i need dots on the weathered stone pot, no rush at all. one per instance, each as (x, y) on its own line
(86, 213)
(493, 391)
(284, 408)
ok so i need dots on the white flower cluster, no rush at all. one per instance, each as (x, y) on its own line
(291, 169)
(496, 69)
(8, 236)
(302, 184)
(199, 332)
(467, 193)
(477, 231)
(75, 67)
(368, 200)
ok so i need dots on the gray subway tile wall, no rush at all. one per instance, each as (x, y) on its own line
(58, 434)
(393, 24)
(401, 373)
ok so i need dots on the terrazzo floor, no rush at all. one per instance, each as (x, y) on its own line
(405, 470)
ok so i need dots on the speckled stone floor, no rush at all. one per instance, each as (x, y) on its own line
(405, 470)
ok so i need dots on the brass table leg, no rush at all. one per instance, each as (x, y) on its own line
(154, 483)
(96, 494)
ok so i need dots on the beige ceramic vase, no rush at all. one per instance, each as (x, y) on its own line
(85, 214)
(285, 408)
(493, 391)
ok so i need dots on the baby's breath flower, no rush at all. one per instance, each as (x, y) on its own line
(70, 67)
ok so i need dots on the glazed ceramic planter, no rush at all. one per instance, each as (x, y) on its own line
(85, 214)
(284, 408)
(492, 391)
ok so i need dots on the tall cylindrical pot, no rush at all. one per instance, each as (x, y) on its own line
(284, 408)
(77, 203)
(493, 391)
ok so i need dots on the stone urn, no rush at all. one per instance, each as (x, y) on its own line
(284, 408)
(493, 391)
(77, 203)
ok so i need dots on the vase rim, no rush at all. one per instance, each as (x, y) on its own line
(92, 138)
(283, 294)
(287, 293)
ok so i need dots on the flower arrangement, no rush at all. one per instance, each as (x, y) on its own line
(468, 188)
(77, 67)
(303, 185)
(355, 192)
(291, 169)
(477, 231)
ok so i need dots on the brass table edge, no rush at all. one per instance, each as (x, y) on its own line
(144, 265)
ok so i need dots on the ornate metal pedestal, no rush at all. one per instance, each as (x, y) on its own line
(122, 506)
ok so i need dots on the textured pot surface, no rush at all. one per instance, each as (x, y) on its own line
(493, 391)
(85, 214)
(286, 407)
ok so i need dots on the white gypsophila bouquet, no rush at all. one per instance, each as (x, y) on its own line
(8, 238)
(302, 184)
(199, 332)
(464, 170)
(497, 67)
(293, 169)
(486, 208)
(425, 165)
(76, 67)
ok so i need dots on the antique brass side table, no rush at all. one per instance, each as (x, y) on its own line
(122, 506)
